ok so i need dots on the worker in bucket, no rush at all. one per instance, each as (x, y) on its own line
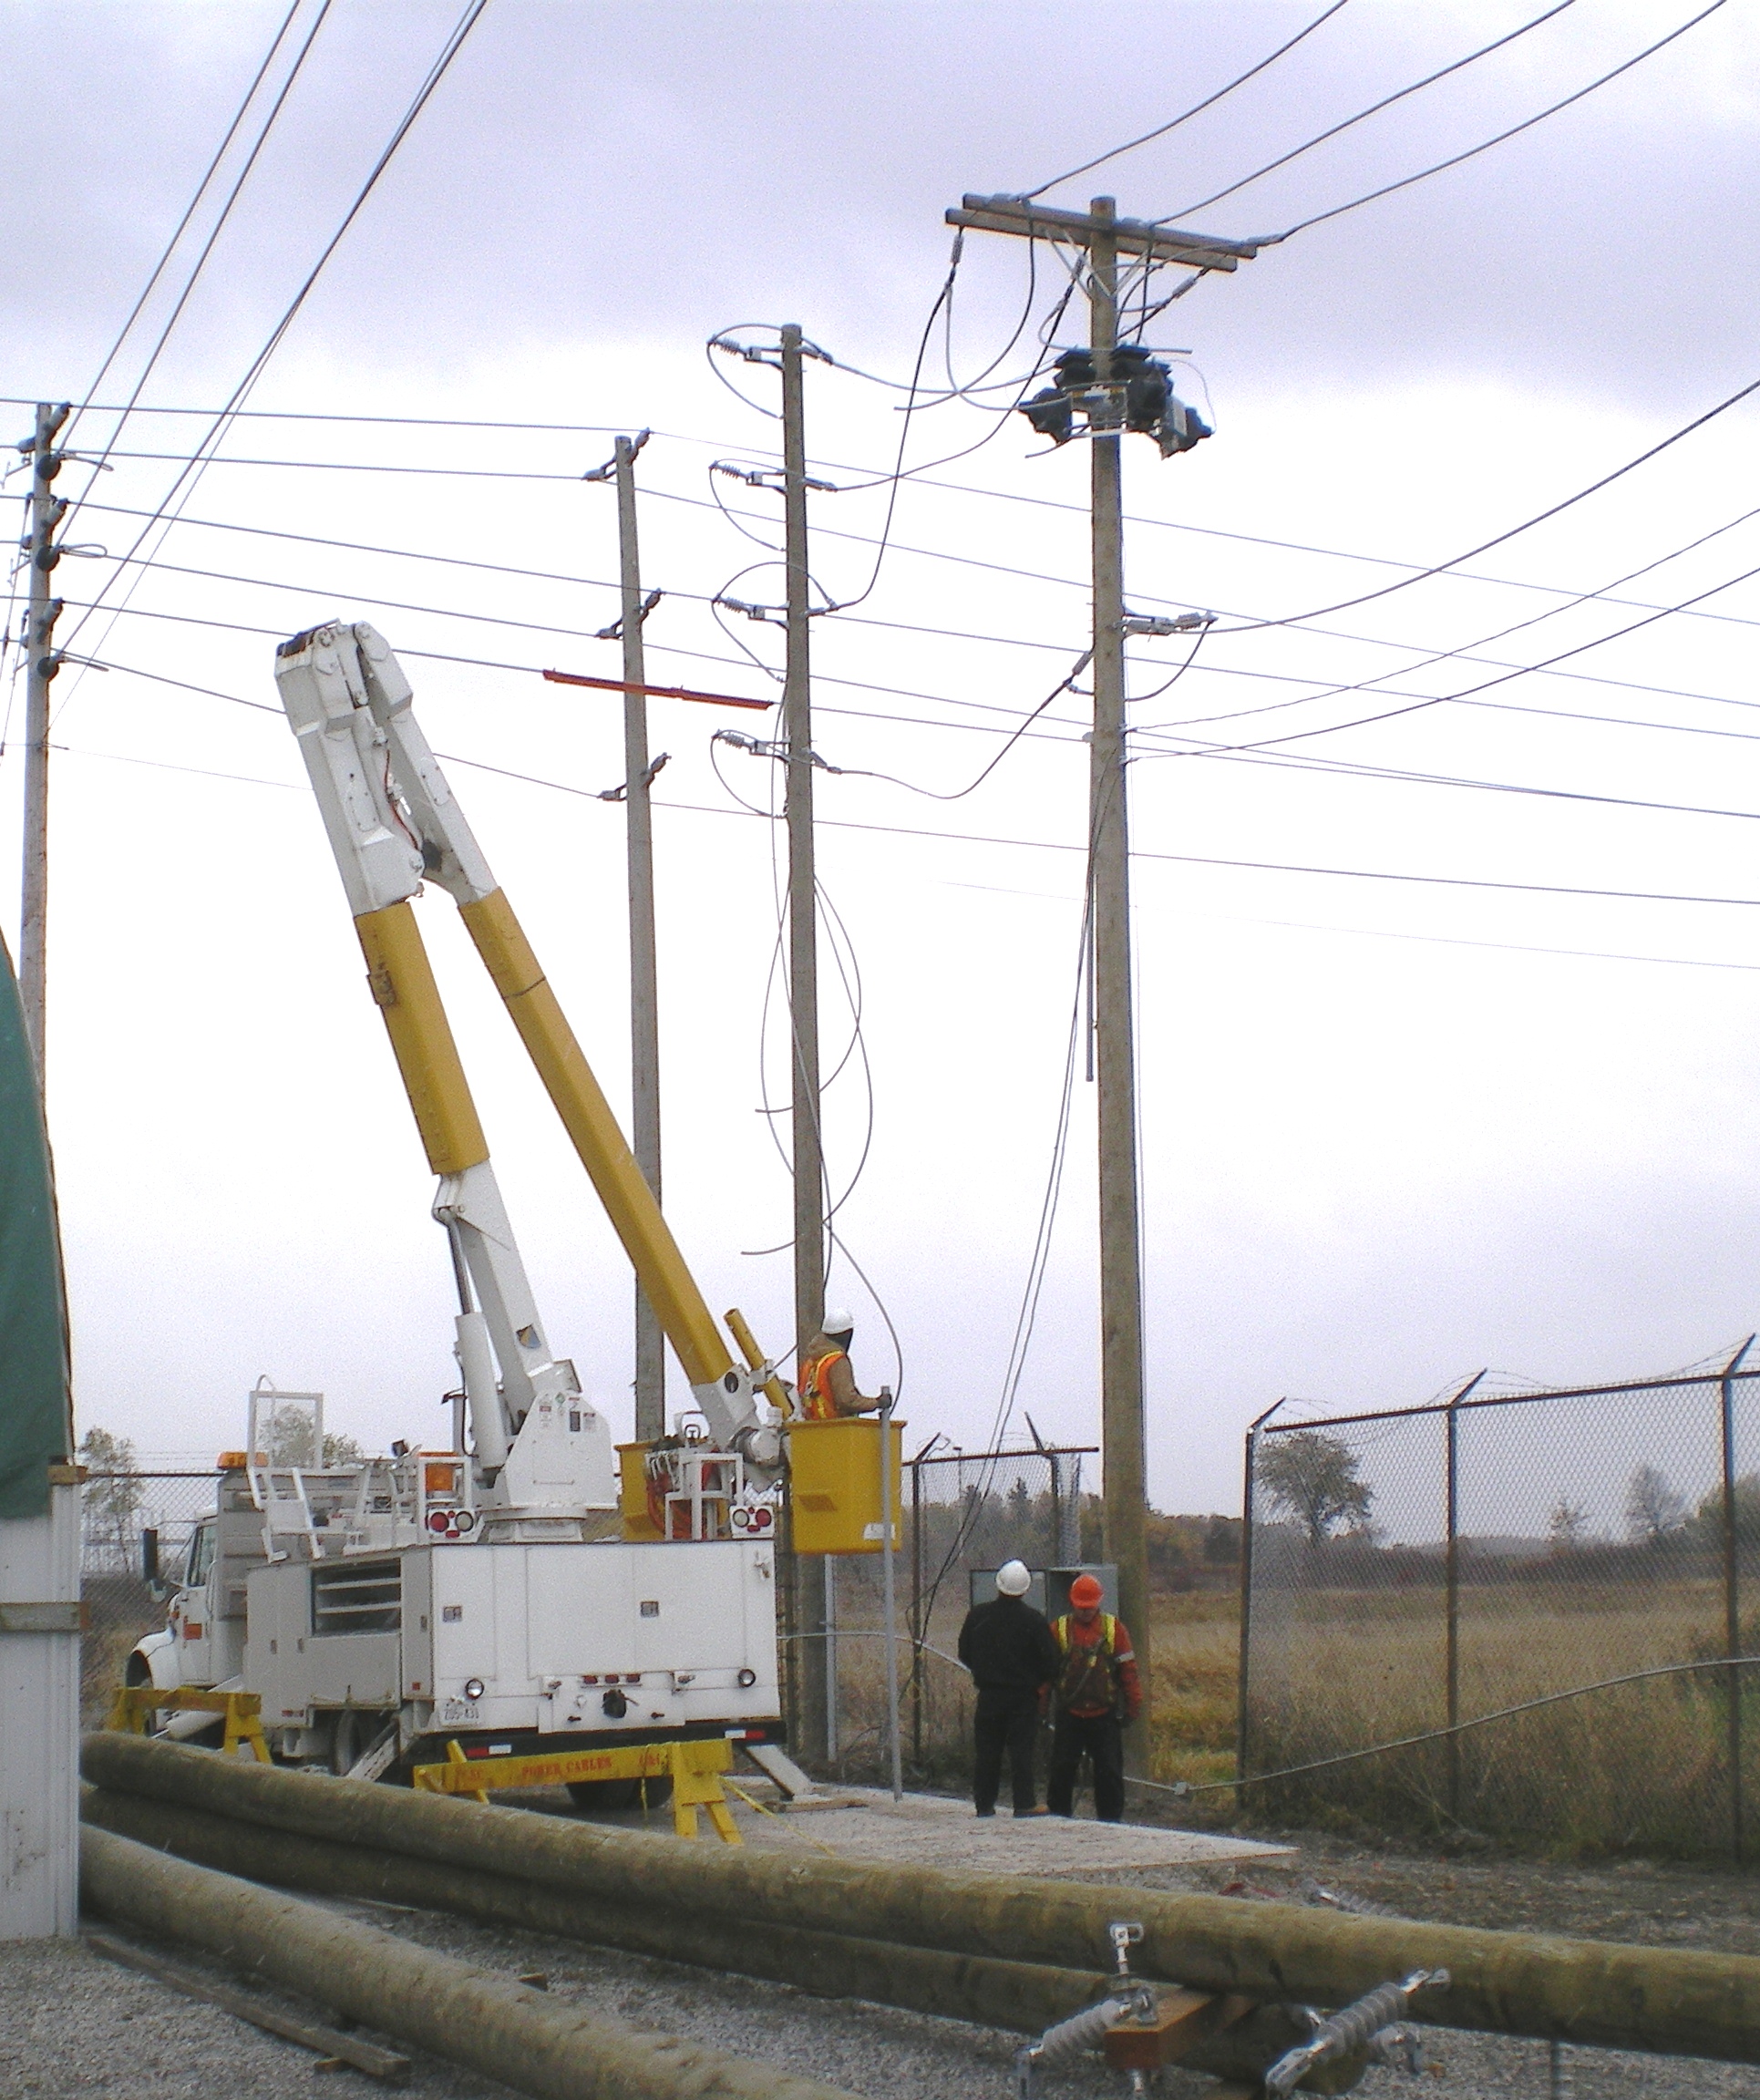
(1096, 1693)
(1009, 1650)
(827, 1384)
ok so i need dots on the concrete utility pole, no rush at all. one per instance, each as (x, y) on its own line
(1125, 1506)
(810, 1672)
(46, 511)
(645, 982)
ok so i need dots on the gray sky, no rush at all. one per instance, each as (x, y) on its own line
(1392, 1131)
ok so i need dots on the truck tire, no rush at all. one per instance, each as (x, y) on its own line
(605, 1796)
(355, 1732)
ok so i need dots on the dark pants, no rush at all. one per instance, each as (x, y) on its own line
(1102, 1738)
(1005, 1721)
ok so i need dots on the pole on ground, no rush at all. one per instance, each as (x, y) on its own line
(645, 982)
(46, 511)
(808, 1676)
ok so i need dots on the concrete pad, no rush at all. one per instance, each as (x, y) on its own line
(931, 1830)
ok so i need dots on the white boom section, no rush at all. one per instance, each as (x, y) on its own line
(394, 822)
(539, 1443)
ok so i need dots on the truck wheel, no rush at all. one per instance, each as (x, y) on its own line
(604, 1795)
(355, 1732)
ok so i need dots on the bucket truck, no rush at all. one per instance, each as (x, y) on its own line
(475, 1602)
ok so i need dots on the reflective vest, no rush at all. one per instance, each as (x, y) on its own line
(816, 1401)
(1088, 1683)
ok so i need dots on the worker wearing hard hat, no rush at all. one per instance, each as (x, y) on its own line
(827, 1384)
(1008, 1648)
(1098, 1692)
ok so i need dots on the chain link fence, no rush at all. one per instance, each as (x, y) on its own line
(116, 1509)
(1537, 1610)
(963, 1511)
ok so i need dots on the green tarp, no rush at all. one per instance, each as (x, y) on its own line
(35, 1405)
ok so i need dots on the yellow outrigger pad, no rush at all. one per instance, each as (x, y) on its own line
(243, 1711)
(694, 1769)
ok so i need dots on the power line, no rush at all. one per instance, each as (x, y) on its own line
(1504, 677)
(182, 225)
(1374, 108)
(1241, 756)
(1485, 145)
(1044, 845)
(437, 72)
(217, 227)
(1526, 525)
(1185, 116)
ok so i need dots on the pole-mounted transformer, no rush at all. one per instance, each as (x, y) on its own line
(1139, 397)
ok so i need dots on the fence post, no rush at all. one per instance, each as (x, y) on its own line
(1451, 1561)
(1243, 1702)
(918, 1633)
(1732, 1599)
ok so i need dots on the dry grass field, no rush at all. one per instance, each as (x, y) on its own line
(1641, 1767)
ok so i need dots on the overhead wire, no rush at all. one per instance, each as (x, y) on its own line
(437, 72)
(159, 268)
(1484, 145)
(1244, 755)
(214, 233)
(1185, 116)
(1373, 109)
(1063, 846)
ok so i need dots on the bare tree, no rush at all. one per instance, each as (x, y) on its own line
(1567, 1525)
(111, 1499)
(1652, 1509)
(1316, 1478)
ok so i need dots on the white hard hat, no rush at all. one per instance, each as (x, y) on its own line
(1012, 1579)
(839, 1323)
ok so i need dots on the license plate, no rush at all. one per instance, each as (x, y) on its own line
(460, 1710)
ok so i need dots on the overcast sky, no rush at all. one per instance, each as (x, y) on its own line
(1393, 1131)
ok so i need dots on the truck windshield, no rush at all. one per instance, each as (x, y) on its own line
(201, 1556)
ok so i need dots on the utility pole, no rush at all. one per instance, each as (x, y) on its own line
(810, 1672)
(1106, 237)
(46, 511)
(644, 980)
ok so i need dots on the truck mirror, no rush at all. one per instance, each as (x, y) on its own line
(149, 1557)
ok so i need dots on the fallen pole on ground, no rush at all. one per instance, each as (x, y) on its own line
(1663, 2000)
(468, 2015)
(1021, 1996)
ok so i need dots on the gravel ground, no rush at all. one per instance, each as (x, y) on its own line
(73, 2025)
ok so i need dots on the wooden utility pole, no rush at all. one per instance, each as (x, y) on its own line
(645, 982)
(46, 511)
(1125, 1505)
(1123, 1456)
(812, 1673)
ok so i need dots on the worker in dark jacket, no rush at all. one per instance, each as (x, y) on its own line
(1097, 1694)
(1009, 1650)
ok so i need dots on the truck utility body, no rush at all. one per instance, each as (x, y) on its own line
(481, 1599)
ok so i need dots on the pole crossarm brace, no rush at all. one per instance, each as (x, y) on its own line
(1132, 236)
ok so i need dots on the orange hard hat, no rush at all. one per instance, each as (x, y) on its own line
(1085, 1592)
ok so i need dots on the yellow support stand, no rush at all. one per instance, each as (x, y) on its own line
(243, 1713)
(694, 1769)
(698, 1789)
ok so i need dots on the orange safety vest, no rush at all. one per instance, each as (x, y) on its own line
(1088, 1681)
(816, 1401)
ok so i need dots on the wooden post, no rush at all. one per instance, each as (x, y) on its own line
(645, 979)
(46, 511)
(807, 1721)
